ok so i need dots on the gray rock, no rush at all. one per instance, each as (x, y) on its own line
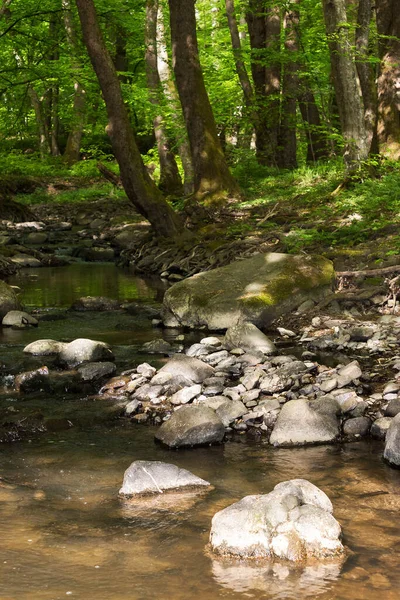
(357, 427)
(191, 426)
(198, 350)
(155, 477)
(211, 341)
(393, 408)
(348, 373)
(37, 237)
(185, 395)
(84, 350)
(148, 392)
(248, 337)
(306, 306)
(214, 402)
(32, 381)
(157, 347)
(257, 289)
(215, 357)
(230, 411)
(96, 370)
(251, 378)
(191, 368)
(19, 319)
(391, 387)
(8, 299)
(302, 422)
(24, 260)
(293, 522)
(45, 348)
(380, 426)
(275, 382)
(132, 407)
(146, 370)
(392, 444)
(95, 303)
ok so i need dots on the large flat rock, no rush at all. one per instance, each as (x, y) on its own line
(155, 477)
(257, 289)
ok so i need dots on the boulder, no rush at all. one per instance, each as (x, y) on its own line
(84, 350)
(248, 337)
(380, 427)
(231, 410)
(293, 522)
(32, 381)
(37, 237)
(24, 260)
(8, 299)
(302, 422)
(188, 367)
(155, 477)
(157, 347)
(257, 289)
(19, 319)
(191, 426)
(95, 303)
(186, 394)
(45, 348)
(96, 370)
(392, 443)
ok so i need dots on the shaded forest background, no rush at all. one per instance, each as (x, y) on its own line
(188, 91)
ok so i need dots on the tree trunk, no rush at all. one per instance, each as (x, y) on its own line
(138, 185)
(287, 156)
(212, 178)
(388, 23)
(316, 141)
(170, 179)
(73, 147)
(171, 93)
(263, 20)
(44, 143)
(366, 74)
(346, 84)
(241, 70)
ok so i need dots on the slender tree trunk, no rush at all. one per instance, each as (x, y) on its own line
(212, 178)
(241, 70)
(44, 142)
(171, 93)
(346, 84)
(316, 142)
(73, 147)
(287, 156)
(388, 23)
(366, 74)
(170, 179)
(263, 20)
(54, 92)
(138, 185)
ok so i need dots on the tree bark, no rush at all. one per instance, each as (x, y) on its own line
(388, 23)
(241, 70)
(346, 84)
(366, 74)
(138, 185)
(73, 147)
(44, 140)
(264, 23)
(212, 178)
(170, 179)
(171, 93)
(287, 155)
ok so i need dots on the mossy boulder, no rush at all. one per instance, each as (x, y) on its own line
(8, 299)
(257, 290)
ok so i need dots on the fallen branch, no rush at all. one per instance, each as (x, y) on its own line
(382, 271)
(109, 175)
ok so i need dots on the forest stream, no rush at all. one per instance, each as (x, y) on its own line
(65, 532)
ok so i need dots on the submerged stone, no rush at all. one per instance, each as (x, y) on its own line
(155, 477)
(191, 426)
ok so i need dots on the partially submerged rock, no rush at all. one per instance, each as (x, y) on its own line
(303, 422)
(155, 477)
(19, 319)
(8, 299)
(257, 289)
(293, 522)
(191, 426)
(191, 368)
(84, 350)
(45, 348)
(95, 303)
(392, 444)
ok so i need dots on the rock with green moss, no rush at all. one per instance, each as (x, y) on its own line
(8, 299)
(257, 290)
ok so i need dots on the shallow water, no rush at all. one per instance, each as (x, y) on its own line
(65, 532)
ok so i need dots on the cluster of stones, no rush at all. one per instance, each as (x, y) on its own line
(293, 522)
(84, 363)
(221, 387)
(337, 334)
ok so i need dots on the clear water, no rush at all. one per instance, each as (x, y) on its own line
(65, 533)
